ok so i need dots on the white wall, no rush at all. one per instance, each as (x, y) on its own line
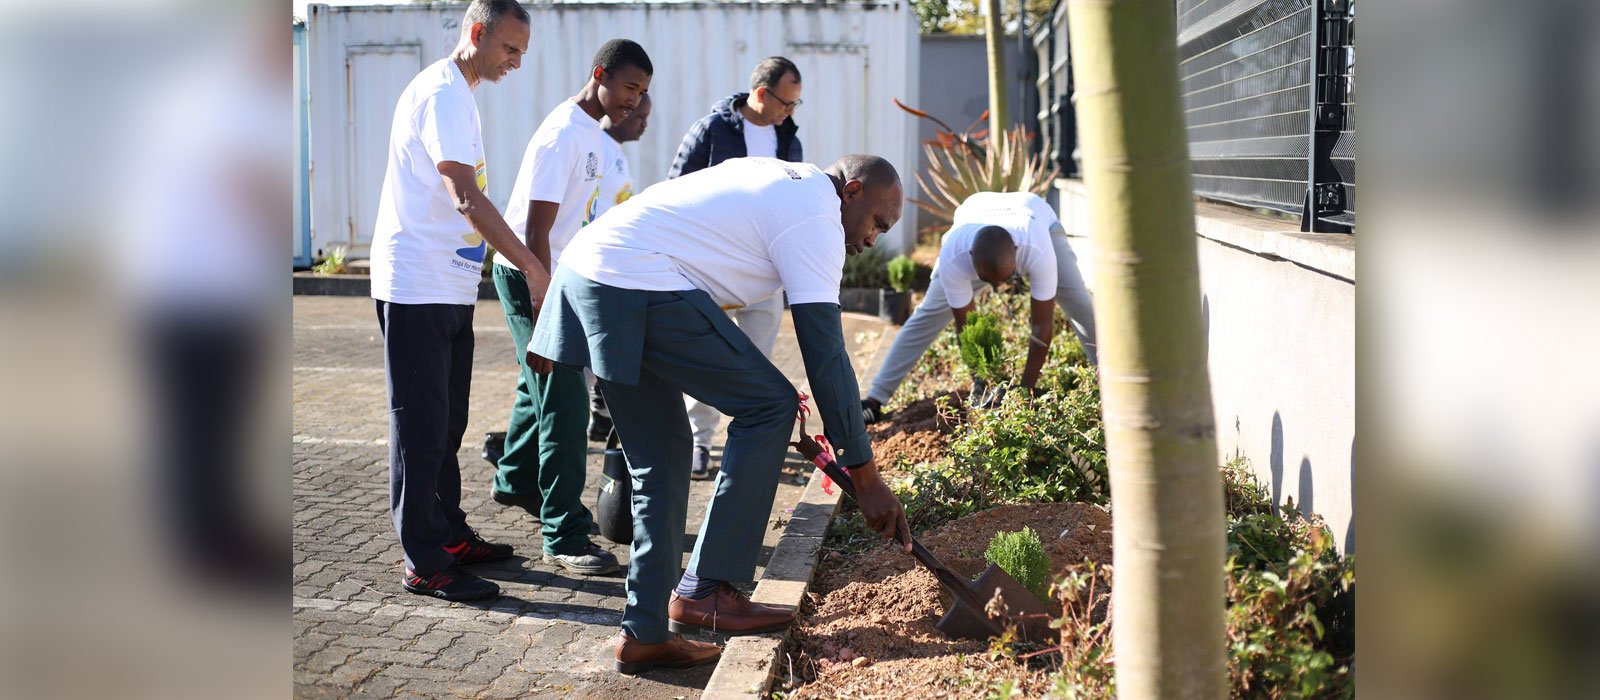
(853, 58)
(1280, 312)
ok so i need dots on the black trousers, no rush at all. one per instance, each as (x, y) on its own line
(427, 353)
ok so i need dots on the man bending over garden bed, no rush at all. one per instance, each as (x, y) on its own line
(640, 298)
(994, 235)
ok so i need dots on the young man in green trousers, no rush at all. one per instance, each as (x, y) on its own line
(555, 195)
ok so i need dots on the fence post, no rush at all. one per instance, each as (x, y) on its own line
(1325, 194)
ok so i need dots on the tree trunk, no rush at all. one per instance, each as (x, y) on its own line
(1169, 596)
(994, 38)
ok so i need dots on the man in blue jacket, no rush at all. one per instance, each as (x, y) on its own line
(757, 124)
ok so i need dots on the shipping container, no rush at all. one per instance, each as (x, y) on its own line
(854, 57)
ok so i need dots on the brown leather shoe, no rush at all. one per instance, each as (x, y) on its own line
(727, 611)
(635, 657)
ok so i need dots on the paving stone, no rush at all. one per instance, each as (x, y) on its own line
(357, 633)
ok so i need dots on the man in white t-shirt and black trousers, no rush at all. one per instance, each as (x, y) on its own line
(556, 194)
(994, 235)
(428, 247)
(615, 188)
(641, 298)
(759, 123)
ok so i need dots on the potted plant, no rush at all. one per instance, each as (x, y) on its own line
(894, 302)
(864, 274)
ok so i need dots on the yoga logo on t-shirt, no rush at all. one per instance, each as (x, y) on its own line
(473, 253)
(483, 177)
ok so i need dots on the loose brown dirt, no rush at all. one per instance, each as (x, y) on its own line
(917, 432)
(869, 631)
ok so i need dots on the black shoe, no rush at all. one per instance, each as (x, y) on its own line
(599, 427)
(700, 468)
(475, 549)
(494, 447)
(872, 411)
(532, 504)
(591, 561)
(453, 584)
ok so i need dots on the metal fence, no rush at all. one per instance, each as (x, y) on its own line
(1269, 103)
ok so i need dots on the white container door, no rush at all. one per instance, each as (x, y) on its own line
(375, 75)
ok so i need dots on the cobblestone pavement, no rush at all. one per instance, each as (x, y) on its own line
(357, 633)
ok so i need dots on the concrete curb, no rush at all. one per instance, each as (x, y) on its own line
(749, 664)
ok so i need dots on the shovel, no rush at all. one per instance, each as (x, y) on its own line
(967, 617)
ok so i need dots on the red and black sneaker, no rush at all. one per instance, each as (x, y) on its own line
(475, 549)
(454, 584)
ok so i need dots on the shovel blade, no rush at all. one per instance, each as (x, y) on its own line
(1022, 608)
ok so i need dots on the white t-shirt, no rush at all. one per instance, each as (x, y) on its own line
(760, 141)
(562, 165)
(740, 231)
(423, 250)
(616, 186)
(1025, 216)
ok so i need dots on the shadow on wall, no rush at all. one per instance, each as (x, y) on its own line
(1305, 493)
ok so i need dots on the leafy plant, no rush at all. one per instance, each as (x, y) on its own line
(333, 264)
(1084, 592)
(1047, 449)
(982, 348)
(1022, 555)
(1279, 641)
(902, 272)
(867, 269)
(968, 161)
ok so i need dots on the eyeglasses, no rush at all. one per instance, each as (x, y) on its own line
(791, 106)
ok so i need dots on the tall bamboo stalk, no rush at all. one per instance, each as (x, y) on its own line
(994, 39)
(1168, 596)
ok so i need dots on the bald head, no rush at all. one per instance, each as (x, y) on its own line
(871, 170)
(994, 254)
(870, 198)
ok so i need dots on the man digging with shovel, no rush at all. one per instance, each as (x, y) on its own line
(641, 298)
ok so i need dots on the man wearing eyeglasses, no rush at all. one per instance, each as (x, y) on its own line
(757, 124)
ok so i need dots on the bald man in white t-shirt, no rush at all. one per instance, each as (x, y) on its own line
(994, 236)
(640, 299)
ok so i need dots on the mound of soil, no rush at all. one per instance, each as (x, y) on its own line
(916, 432)
(868, 631)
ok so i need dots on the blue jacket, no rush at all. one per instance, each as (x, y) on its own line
(720, 136)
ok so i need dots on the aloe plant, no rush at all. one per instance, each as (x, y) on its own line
(962, 163)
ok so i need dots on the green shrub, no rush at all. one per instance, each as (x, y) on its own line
(983, 347)
(1047, 449)
(866, 269)
(1021, 554)
(902, 272)
(1290, 628)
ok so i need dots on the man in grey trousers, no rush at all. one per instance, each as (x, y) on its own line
(641, 299)
(994, 236)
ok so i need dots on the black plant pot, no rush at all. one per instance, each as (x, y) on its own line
(894, 307)
(859, 299)
(614, 506)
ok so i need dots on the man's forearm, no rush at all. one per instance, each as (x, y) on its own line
(541, 218)
(833, 380)
(1038, 353)
(488, 222)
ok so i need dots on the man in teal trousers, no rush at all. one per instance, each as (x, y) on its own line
(641, 299)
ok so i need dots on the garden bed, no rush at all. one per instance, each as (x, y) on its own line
(867, 630)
